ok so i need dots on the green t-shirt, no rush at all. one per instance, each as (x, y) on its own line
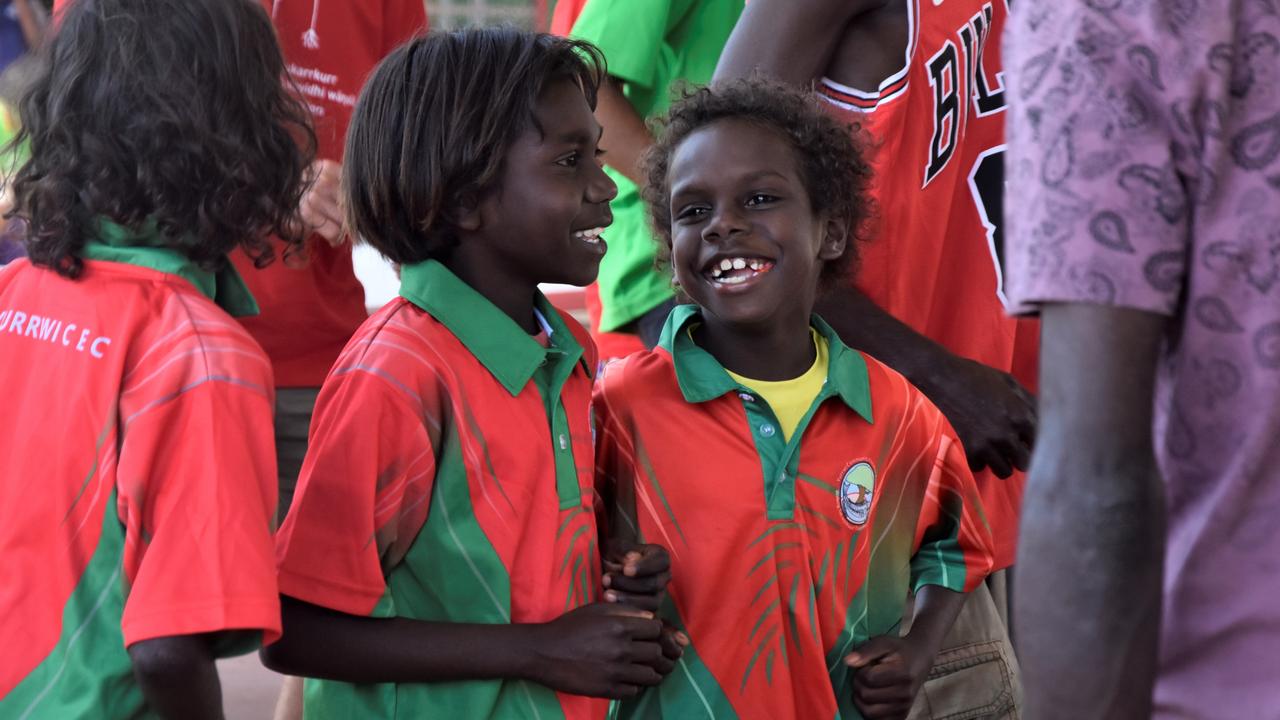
(649, 46)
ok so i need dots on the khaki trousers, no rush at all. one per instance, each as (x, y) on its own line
(975, 676)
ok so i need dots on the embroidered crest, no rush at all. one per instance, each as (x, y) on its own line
(856, 488)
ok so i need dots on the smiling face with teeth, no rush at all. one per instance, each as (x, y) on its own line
(542, 222)
(746, 244)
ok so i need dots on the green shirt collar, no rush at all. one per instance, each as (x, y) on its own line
(145, 247)
(507, 351)
(702, 377)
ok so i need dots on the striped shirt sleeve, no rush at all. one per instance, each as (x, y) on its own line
(197, 486)
(953, 539)
(362, 494)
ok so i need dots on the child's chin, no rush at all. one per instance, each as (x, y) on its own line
(739, 314)
(581, 276)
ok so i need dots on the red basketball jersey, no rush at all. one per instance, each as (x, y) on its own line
(936, 131)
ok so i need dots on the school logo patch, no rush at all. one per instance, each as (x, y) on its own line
(857, 484)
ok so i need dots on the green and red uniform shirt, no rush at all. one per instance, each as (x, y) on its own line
(137, 473)
(449, 479)
(785, 555)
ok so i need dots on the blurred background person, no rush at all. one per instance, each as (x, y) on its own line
(1144, 159)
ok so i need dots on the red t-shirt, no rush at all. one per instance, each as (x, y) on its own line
(309, 312)
(937, 136)
(137, 481)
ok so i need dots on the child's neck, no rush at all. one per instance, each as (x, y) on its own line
(778, 351)
(514, 298)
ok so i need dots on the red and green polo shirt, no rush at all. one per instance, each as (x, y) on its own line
(137, 473)
(785, 554)
(449, 479)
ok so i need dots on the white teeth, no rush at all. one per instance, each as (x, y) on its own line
(589, 236)
(717, 270)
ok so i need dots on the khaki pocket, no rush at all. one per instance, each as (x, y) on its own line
(969, 682)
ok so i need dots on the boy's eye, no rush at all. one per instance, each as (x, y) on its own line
(691, 212)
(760, 199)
(570, 160)
(600, 157)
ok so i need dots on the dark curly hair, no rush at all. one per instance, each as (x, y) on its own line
(164, 111)
(434, 122)
(831, 163)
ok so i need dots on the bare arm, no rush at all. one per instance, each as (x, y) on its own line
(1090, 560)
(30, 22)
(790, 40)
(936, 610)
(625, 136)
(178, 677)
(889, 670)
(866, 326)
(598, 650)
(993, 415)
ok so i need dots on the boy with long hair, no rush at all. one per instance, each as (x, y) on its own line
(137, 473)
(442, 558)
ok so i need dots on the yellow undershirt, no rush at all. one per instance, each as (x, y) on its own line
(791, 399)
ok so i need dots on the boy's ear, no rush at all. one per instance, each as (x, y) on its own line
(466, 213)
(834, 240)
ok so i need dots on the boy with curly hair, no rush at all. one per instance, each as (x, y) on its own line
(769, 458)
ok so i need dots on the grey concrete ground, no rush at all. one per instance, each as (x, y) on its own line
(248, 689)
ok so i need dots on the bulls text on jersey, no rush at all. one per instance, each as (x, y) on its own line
(951, 99)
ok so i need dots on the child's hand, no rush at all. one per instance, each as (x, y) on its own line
(636, 575)
(888, 672)
(673, 644)
(602, 650)
(321, 210)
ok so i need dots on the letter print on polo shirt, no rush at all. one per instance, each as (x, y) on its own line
(857, 484)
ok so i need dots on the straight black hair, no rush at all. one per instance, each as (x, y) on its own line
(434, 122)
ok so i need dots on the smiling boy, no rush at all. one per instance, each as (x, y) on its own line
(441, 558)
(801, 488)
